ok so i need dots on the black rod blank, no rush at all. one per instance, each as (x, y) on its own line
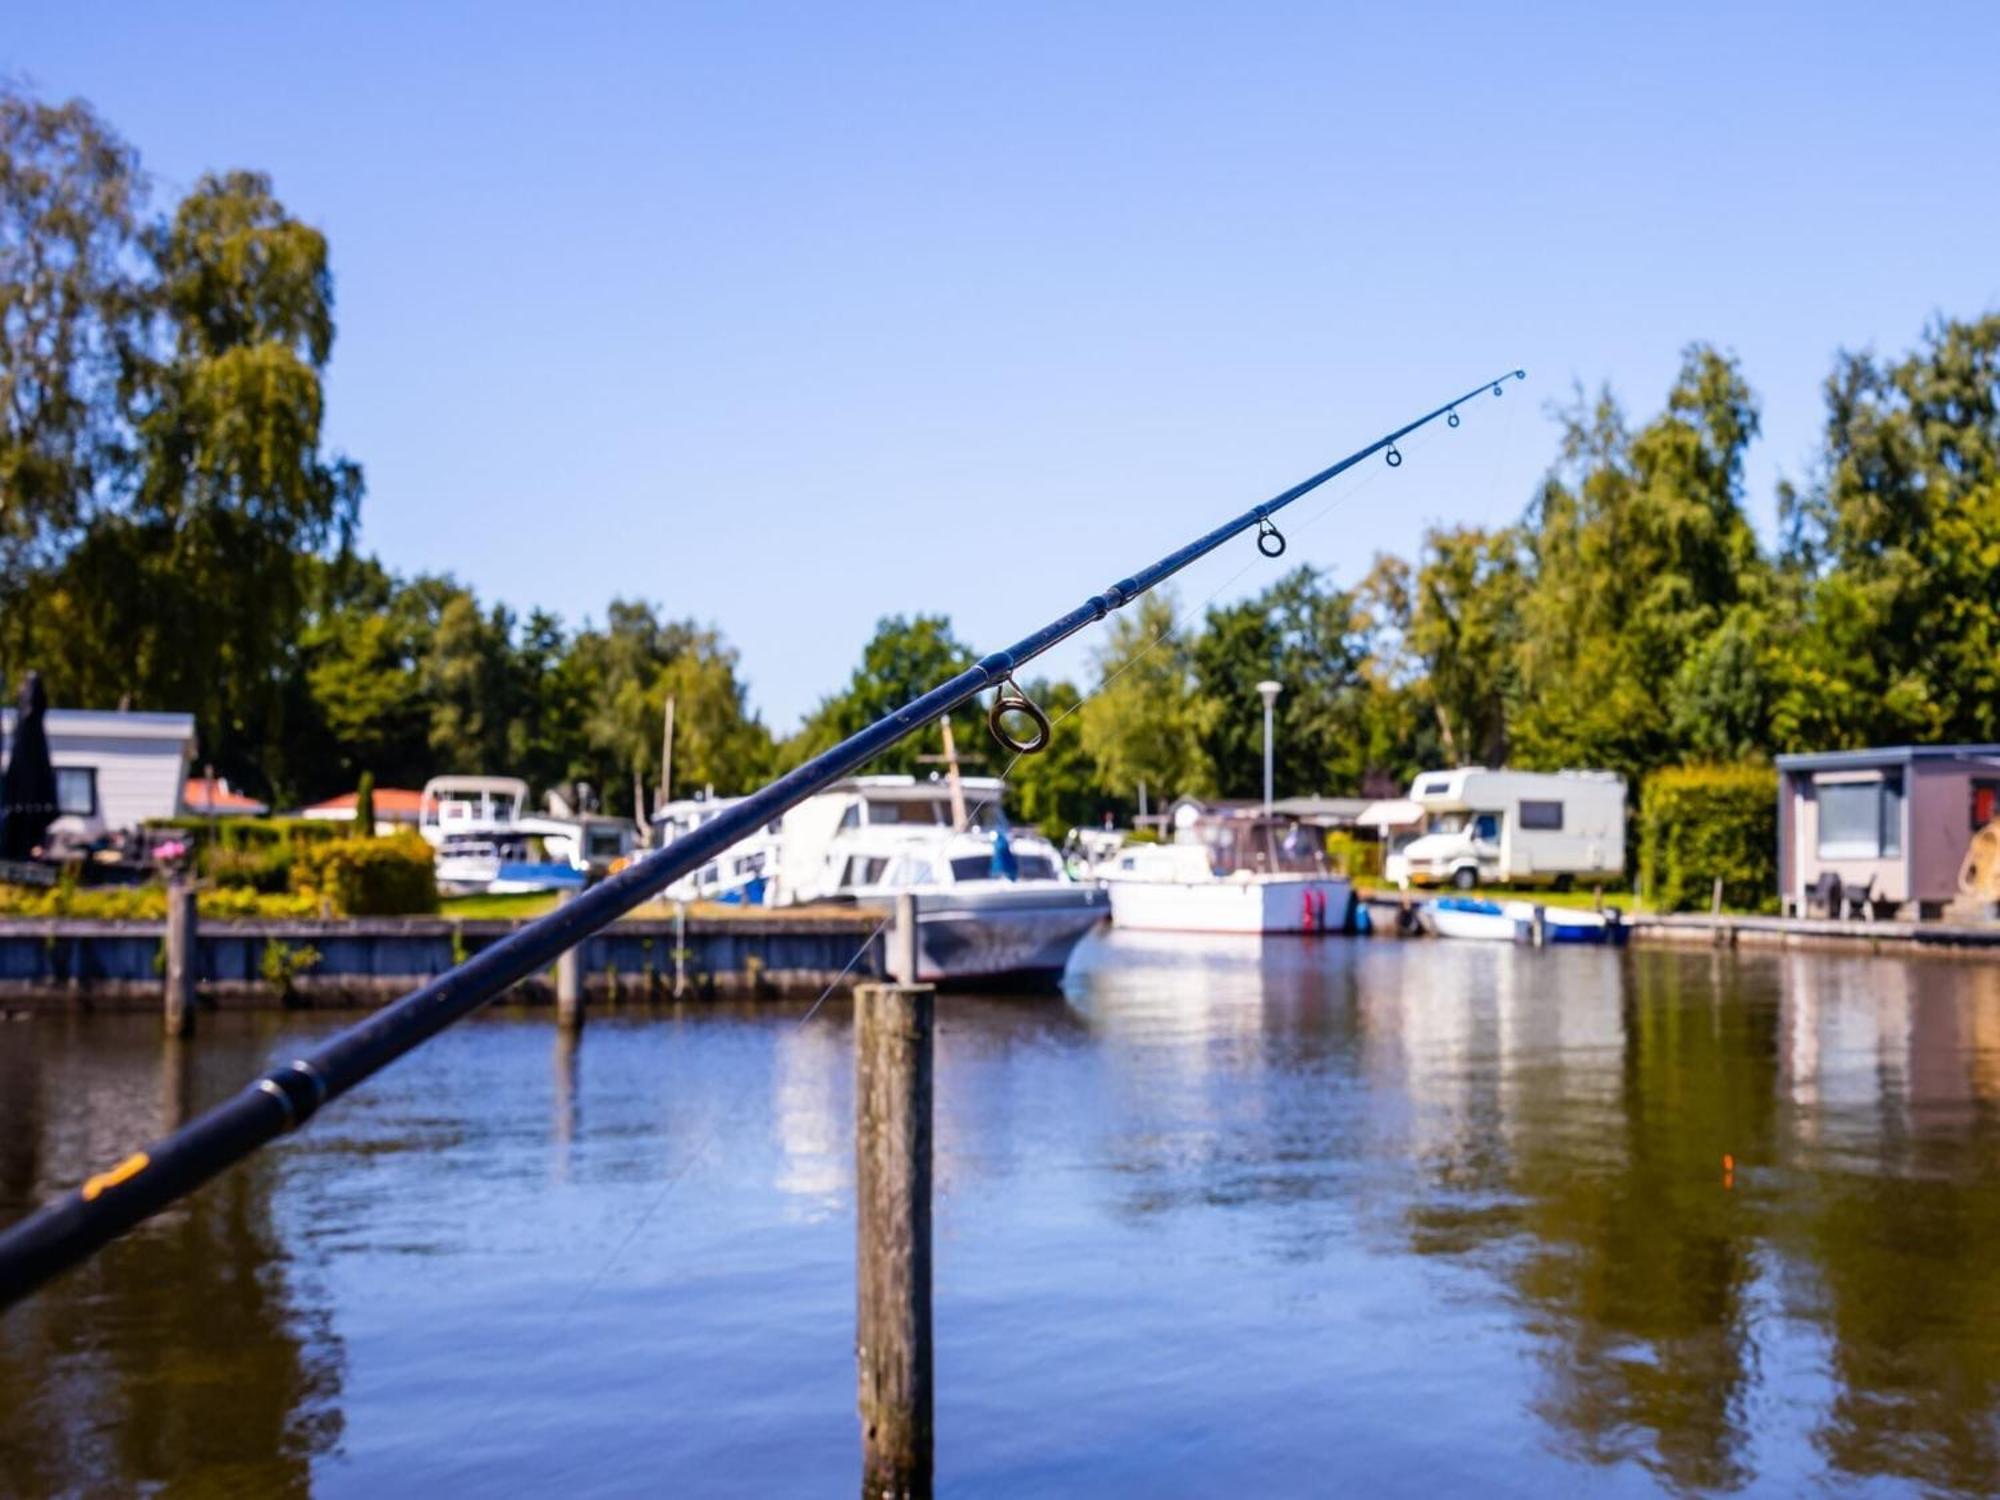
(75, 1225)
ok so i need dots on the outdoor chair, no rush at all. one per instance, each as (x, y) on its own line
(1860, 900)
(1824, 895)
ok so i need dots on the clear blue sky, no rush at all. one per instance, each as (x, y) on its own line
(791, 317)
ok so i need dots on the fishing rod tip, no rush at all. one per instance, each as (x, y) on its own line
(1520, 374)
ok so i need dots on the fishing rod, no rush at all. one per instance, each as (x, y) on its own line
(73, 1226)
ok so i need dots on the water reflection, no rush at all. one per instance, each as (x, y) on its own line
(1464, 1216)
(197, 1357)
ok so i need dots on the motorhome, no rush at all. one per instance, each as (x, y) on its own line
(1521, 827)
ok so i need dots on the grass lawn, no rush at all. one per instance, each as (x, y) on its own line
(533, 904)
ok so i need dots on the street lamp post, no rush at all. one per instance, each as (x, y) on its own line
(1268, 691)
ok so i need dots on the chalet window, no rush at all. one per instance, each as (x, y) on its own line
(1545, 817)
(76, 791)
(1860, 819)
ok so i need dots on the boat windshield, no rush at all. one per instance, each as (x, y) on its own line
(929, 813)
(980, 867)
(1262, 846)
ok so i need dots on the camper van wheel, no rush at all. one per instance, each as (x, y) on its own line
(1465, 877)
(1565, 884)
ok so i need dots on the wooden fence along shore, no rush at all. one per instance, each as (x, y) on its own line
(57, 963)
(116, 965)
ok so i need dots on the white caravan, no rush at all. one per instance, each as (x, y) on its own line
(1521, 827)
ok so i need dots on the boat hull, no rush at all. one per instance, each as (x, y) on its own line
(1514, 922)
(489, 877)
(1304, 906)
(1004, 937)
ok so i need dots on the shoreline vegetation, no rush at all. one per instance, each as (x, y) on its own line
(177, 536)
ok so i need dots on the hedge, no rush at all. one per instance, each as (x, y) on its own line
(255, 853)
(369, 877)
(145, 903)
(1698, 822)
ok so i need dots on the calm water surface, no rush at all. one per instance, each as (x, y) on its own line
(1387, 1218)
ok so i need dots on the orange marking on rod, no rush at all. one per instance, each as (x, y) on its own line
(125, 1171)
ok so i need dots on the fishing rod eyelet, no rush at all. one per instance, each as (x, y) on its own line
(1011, 700)
(1270, 540)
(1496, 389)
(1451, 418)
(1395, 457)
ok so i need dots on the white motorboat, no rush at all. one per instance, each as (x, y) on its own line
(994, 905)
(1228, 871)
(484, 846)
(1514, 922)
(740, 875)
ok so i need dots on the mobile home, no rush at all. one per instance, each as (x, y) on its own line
(1523, 827)
(1886, 829)
(114, 769)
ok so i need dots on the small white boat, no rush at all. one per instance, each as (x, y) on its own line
(1514, 922)
(741, 875)
(1228, 872)
(995, 905)
(484, 846)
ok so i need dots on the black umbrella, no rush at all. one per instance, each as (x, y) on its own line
(28, 786)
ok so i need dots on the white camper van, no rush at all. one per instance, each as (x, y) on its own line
(1524, 827)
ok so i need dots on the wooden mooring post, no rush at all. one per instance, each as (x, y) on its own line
(569, 980)
(892, 1177)
(182, 959)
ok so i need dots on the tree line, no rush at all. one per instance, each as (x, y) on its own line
(175, 535)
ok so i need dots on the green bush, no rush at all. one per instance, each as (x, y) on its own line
(146, 903)
(1358, 856)
(1698, 822)
(254, 853)
(369, 877)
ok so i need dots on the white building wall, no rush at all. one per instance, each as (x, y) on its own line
(141, 761)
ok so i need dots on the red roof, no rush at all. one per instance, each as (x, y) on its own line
(394, 803)
(195, 796)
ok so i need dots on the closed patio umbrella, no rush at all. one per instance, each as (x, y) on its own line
(28, 786)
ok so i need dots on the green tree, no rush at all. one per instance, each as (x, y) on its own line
(1146, 723)
(905, 658)
(1898, 547)
(1310, 638)
(1059, 788)
(1638, 550)
(192, 591)
(622, 676)
(1465, 632)
(74, 308)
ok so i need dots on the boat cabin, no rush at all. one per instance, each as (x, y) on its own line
(871, 831)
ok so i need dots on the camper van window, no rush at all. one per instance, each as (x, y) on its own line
(1437, 787)
(76, 791)
(1486, 827)
(1451, 822)
(852, 817)
(1860, 819)
(1544, 817)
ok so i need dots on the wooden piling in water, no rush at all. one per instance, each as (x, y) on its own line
(892, 1159)
(1538, 926)
(183, 932)
(569, 980)
(902, 957)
